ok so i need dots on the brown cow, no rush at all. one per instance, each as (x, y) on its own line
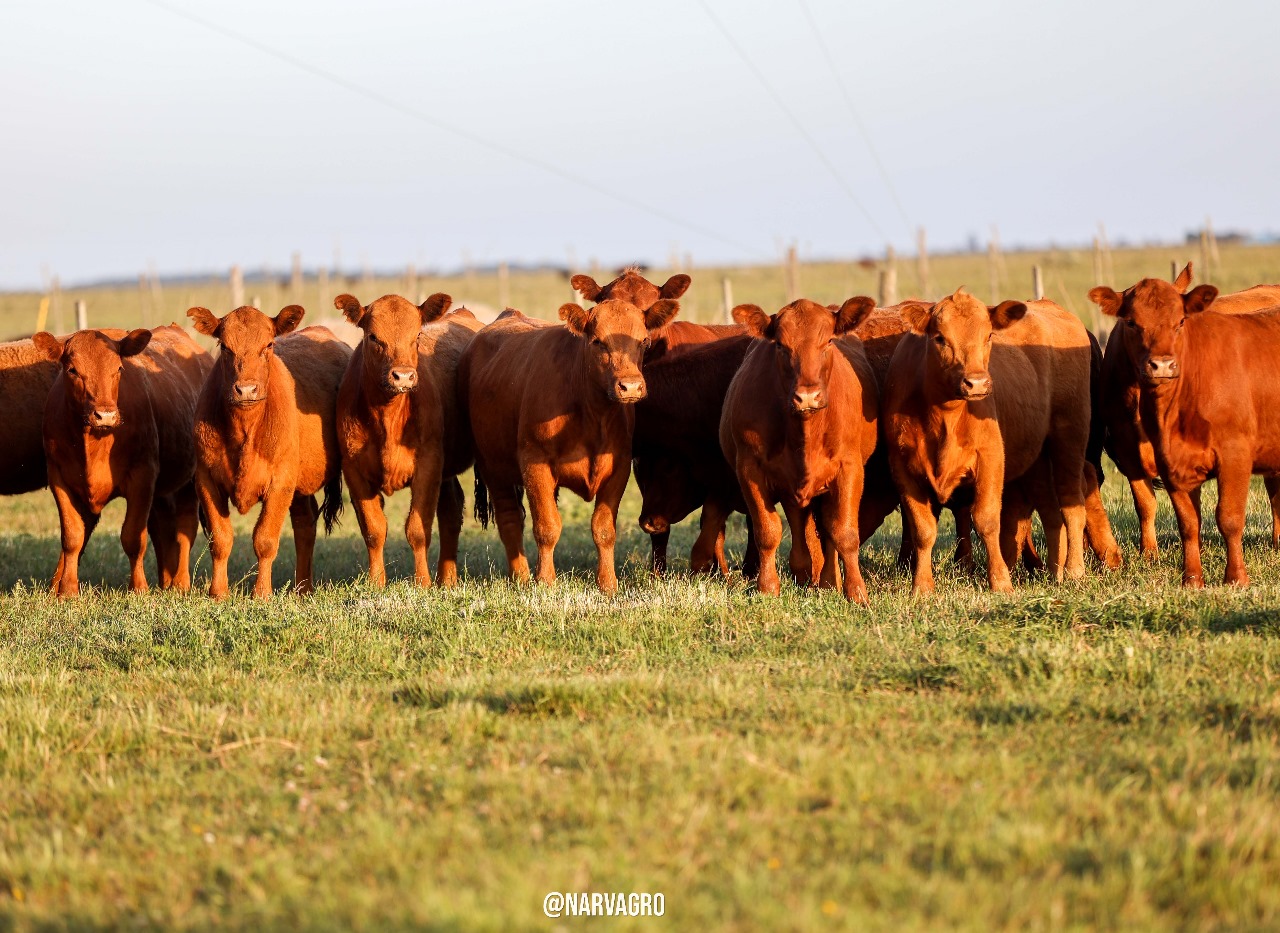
(399, 425)
(1209, 402)
(26, 376)
(118, 423)
(799, 425)
(979, 397)
(678, 462)
(265, 434)
(1126, 442)
(551, 407)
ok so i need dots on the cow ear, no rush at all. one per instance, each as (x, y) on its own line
(661, 314)
(753, 318)
(48, 344)
(1199, 298)
(1183, 281)
(1106, 299)
(1006, 313)
(134, 342)
(917, 317)
(576, 318)
(204, 321)
(288, 319)
(434, 307)
(853, 312)
(351, 309)
(586, 286)
(676, 286)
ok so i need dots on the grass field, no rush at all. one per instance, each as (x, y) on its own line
(1096, 755)
(1102, 754)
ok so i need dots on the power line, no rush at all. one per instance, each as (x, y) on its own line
(777, 99)
(422, 117)
(853, 112)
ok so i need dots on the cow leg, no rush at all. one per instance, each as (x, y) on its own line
(540, 486)
(804, 545)
(658, 551)
(217, 514)
(266, 539)
(304, 513)
(424, 492)
(1273, 493)
(162, 529)
(767, 526)
(988, 486)
(708, 549)
(751, 555)
(367, 503)
(1234, 473)
(449, 519)
(604, 526)
(1098, 533)
(963, 556)
(1066, 470)
(830, 577)
(840, 521)
(919, 517)
(1144, 503)
(77, 523)
(133, 532)
(186, 525)
(1186, 507)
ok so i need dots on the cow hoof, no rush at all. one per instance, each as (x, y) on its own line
(1193, 582)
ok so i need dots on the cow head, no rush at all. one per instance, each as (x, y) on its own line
(1152, 314)
(391, 326)
(615, 334)
(246, 345)
(959, 330)
(803, 335)
(92, 364)
(632, 287)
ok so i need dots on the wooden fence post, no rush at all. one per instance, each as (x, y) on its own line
(791, 274)
(144, 299)
(888, 286)
(1097, 261)
(726, 291)
(922, 263)
(504, 286)
(1037, 283)
(55, 304)
(82, 316)
(237, 287)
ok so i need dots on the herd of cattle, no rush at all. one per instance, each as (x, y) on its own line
(838, 414)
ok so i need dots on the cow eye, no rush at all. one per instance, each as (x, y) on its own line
(71, 371)
(940, 340)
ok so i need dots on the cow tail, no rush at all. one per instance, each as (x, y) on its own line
(331, 506)
(204, 519)
(482, 510)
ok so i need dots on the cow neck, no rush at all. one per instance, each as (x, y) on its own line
(591, 402)
(392, 412)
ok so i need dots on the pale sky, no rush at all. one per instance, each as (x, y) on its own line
(135, 137)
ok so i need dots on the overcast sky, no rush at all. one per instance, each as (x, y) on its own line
(135, 137)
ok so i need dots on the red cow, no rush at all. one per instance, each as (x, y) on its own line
(265, 434)
(118, 423)
(552, 407)
(1126, 442)
(1209, 403)
(399, 425)
(799, 425)
(979, 397)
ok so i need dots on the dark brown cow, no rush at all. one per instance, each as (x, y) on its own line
(1126, 442)
(1209, 402)
(265, 434)
(399, 425)
(552, 407)
(26, 376)
(118, 423)
(678, 462)
(799, 425)
(979, 397)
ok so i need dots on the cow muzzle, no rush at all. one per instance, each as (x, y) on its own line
(808, 401)
(245, 393)
(103, 418)
(975, 386)
(1161, 369)
(402, 380)
(629, 390)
